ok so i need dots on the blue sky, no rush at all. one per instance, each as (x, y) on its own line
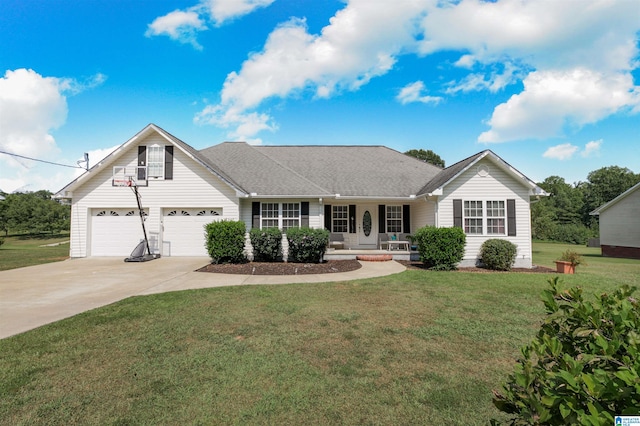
(553, 87)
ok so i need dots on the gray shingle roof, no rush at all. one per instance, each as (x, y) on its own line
(351, 171)
(447, 174)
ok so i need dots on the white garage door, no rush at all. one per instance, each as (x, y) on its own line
(183, 230)
(115, 232)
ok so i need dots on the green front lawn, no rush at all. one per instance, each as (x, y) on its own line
(414, 348)
(21, 251)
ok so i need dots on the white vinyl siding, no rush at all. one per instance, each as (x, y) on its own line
(497, 186)
(192, 186)
(620, 223)
(484, 217)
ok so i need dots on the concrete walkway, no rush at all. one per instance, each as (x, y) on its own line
(38, 295)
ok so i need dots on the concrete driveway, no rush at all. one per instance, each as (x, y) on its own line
(38, 295)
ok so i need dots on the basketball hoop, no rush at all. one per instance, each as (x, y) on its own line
(122, 182)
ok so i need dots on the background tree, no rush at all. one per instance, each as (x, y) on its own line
(34, 213)
(603, 185)
(427, 156)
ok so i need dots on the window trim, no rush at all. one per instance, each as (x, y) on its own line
(159, 163)
(399, 210)
(334, 207)
(280, 214)
(484, 218)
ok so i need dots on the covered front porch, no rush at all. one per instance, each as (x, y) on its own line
(348, 254)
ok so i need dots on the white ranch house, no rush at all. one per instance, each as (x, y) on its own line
(356, 192)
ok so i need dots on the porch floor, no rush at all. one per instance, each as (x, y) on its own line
(348, 254)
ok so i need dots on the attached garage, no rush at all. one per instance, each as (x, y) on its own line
(115, 232)
(183, 232)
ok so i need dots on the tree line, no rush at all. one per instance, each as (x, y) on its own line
(565, 214)
(33, 213)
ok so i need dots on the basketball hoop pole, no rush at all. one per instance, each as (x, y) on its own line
(134, 188)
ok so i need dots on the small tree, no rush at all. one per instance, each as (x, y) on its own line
(427, 156)
(225, 241)
(440, 248)
(583, 367)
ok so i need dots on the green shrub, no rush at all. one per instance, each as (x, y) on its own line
(267, 244)
(440, 248)
(584, 365)
(498, 255)
(307, 245)
(225, 241)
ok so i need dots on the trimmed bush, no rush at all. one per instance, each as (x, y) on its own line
(307, 245)
(440, 248)
(583, 367)
(225, 241)
(498, 255)
(267, 244)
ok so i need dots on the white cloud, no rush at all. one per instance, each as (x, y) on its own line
(225, 10)
(561, 152)
(361, 42)
(592, 148)
(245, 125)
(564, 57)
(31, 107)
(178, 25)
(413, 93)
(183, 26)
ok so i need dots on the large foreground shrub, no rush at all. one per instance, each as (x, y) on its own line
(267, 244)
(440, 248)
(225, 241)
(498, 254)
(307, 245)
(583, 366)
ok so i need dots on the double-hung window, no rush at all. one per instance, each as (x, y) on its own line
(339, 216)
(155, 161)
(394, 219)
(473, 217)
(495, 217)
(290, 216)
(484, 217)
(272, 216)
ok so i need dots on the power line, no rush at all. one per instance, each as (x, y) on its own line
(42, 161)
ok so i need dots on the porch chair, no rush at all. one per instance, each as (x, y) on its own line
(383, 240)
(336, 240)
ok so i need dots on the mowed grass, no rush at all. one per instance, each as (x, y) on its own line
(21, 251)
(414, 348)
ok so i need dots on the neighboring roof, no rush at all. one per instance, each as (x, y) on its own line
(435, 186)
(322, 170)
(616, 200)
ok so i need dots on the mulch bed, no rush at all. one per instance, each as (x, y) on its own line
(330, 267)
(282, 268)
(535, 269)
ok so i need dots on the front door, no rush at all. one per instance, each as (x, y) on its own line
(367, 226)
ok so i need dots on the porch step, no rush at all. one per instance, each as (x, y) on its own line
(374, 257)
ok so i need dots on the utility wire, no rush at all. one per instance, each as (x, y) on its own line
(42, 161)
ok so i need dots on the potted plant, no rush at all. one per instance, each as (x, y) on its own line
(568, 262)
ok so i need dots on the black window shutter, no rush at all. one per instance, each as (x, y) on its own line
(457, 213)
(382, 218)
(327, 217)
(406, 218)
(352, 218)
(304, 214)
(255, 212)
(511, 218)
(142, 161)
(168, 162)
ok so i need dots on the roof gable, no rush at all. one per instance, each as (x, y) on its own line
(448, 175)
(616, 200)
(112, 158)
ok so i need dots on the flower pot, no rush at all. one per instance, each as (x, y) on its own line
(563, 267)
